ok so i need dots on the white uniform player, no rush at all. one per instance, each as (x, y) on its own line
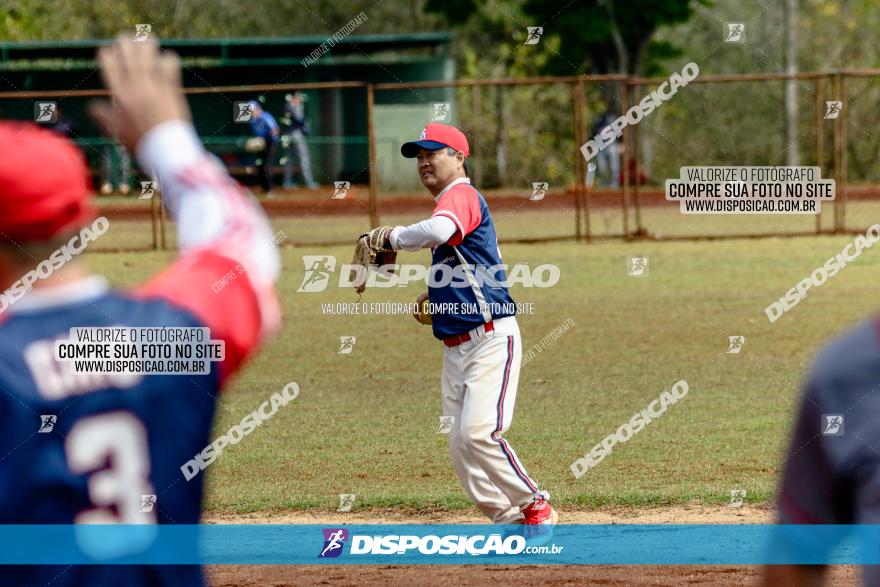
(477, 324)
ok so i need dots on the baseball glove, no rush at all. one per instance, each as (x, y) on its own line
(372, 249)
(254, 145)
(423, 312)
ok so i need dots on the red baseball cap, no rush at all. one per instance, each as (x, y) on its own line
(436, 136)
(45, 188)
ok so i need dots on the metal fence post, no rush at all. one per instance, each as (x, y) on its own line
(161, 221)
(835, 93)
(577, 101)
(635, 157)
(837, 156)
(154, 223)
(588, 190)
(373, 204)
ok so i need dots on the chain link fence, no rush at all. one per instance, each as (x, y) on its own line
(336, 169)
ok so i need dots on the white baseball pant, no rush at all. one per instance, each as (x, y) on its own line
(478, 384)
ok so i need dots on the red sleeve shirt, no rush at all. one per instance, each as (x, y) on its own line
(221, 293)
(461, 205)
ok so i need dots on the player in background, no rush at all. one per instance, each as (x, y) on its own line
(117, 440)
(265, 126)
(295, 139)
(483, 348)
(831, 474)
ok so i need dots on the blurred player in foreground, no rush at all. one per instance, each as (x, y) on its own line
(112, 448)
(832, 469)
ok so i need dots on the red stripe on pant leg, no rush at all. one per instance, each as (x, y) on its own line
(500, 408)
(503, 443)
(512, 459)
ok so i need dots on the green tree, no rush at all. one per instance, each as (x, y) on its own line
(608, 36)
(34, 20)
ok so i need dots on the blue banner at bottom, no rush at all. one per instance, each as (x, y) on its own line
(702, 544)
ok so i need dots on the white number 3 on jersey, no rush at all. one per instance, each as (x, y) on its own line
(113, 448)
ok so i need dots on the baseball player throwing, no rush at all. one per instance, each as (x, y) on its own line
(107, 448)
(478, 327)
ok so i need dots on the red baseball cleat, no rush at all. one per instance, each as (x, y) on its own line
(540, 512)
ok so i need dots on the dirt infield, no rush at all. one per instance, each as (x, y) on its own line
(695, 514)
(292, 205)
(300, 203)
(474, 575)
(481, 576)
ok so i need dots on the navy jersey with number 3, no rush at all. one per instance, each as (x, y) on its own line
(108, 448)
(91, 447)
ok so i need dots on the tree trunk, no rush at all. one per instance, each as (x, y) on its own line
(619, 45)
(641, 53)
